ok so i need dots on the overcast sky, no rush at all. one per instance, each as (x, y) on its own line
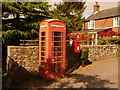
(104, 4)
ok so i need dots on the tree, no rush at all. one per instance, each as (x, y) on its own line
(25, 19)
(70, 13)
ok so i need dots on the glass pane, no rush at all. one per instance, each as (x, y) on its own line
(42, 38)
(58, 39)
(59, 64)
(60, 59)
(58, 54)
(42, 43)
(43, 33)
(42, 54)
(57, 48)
(58, 43)
(57, 33)
(42, 48)
(42, 63)
(42, 69)
(42, 58)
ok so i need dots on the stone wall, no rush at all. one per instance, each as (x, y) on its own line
(26, 57)
(23, 60)
(97, 52)
(21, 63)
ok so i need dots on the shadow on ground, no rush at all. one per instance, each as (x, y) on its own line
(84, 81)
(21, 78)
(70, 81)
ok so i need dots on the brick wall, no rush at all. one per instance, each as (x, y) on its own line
(116, 29)
(104, 23)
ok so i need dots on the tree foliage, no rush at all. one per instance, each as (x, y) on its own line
(70, 13)
(21, 19)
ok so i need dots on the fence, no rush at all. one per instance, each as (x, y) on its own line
(29, 42)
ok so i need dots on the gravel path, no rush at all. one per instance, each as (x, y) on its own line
(100, 74)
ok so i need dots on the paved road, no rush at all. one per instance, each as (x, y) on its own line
(100, 74)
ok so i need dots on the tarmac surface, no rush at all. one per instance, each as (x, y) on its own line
(100, 74)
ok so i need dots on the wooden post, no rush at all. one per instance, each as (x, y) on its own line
(96, 39)
(92, 39)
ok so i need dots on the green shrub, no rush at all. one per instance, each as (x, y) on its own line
(109, 40)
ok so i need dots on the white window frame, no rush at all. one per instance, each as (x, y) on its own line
(116, 21)
(91, 24)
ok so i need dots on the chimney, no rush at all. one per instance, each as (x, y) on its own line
(96, 7)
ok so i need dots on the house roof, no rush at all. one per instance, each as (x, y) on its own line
(115, 11)
(93, 30)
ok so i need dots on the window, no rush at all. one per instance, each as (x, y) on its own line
(91, 24)
(116, 22)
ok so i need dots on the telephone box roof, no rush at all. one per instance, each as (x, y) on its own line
(49, 20)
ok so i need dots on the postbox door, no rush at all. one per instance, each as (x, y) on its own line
(76, 46)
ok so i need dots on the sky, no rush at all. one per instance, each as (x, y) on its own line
(104, 4)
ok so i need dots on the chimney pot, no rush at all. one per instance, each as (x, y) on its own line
(96, 7)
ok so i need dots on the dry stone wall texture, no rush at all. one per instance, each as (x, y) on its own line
(26, 57)
(97, 52)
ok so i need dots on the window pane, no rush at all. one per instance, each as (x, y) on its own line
(42, 54)
(42, 43)
(42, 48)
(58, 43)
(42, 38)
(57, 33)
(58, 39)
(42, 58)
(43, 33)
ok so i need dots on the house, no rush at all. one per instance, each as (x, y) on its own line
(108, 19)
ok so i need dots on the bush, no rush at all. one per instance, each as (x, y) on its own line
(109, 40)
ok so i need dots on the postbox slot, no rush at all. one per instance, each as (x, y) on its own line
(77, 42)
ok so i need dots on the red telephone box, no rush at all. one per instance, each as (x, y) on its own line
(76, 46)
(52, 49)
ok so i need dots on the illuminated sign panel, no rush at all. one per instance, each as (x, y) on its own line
(43, 26)
(54, 25)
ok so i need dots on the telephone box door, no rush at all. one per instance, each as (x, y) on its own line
(52, 49)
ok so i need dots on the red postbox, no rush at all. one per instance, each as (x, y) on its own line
(76, 46)
(52, 49)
